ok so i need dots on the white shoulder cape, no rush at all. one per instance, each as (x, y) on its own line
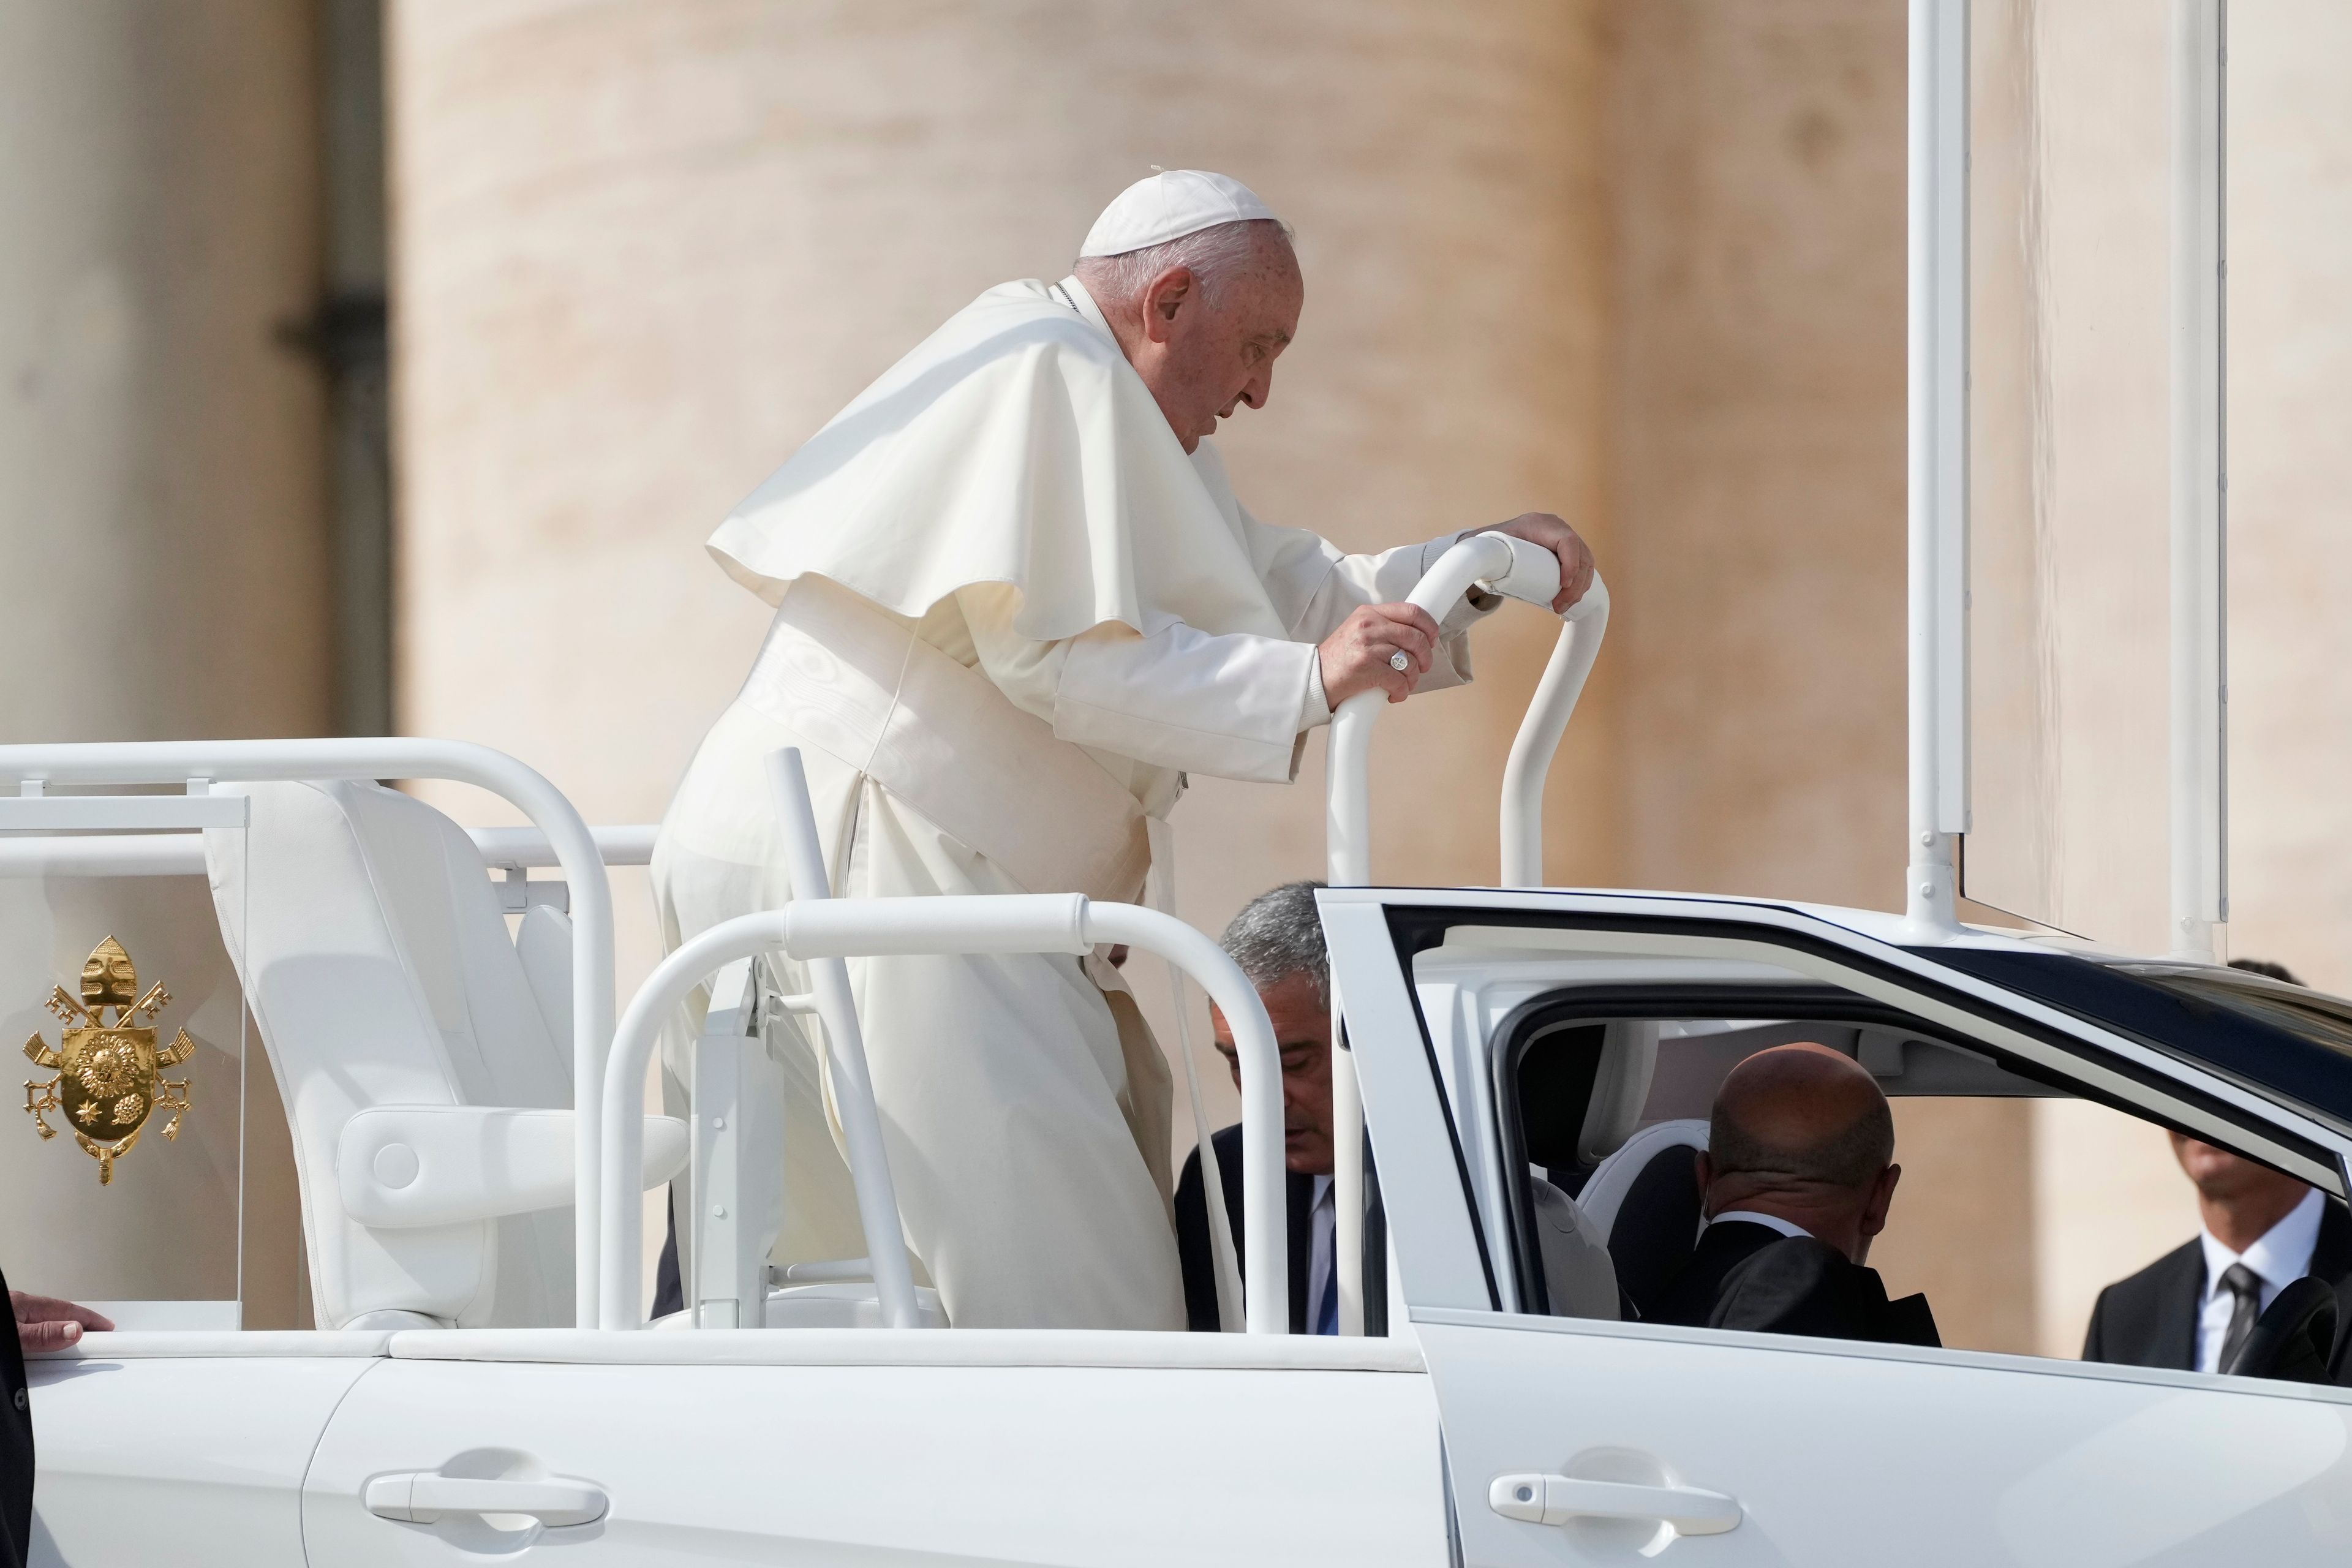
(1016, 445)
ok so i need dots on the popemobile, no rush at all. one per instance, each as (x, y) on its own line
(1522, 1074)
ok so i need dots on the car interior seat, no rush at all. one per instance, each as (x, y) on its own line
(1581, 1086)
(425, 1061)
(1645, 1199)
(1579, 1278)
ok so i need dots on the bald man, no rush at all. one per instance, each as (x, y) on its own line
(1796, 1177)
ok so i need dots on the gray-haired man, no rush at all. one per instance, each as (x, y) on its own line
(1278, 939)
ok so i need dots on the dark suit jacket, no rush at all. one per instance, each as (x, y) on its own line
(1748, 1276)
(1193, 1232)
(2150, 1319)
(15, 1449)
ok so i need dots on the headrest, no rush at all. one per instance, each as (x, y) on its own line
(1620, 1087)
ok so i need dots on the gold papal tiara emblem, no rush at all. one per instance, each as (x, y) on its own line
(109, 1079)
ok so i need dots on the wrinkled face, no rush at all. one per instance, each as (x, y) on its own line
(1302, 1031)
(2224, 1177)
(1204, 358)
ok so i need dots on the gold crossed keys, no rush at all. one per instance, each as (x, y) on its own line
(108, 1079)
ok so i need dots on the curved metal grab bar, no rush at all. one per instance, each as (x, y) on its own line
(460, 761)
(1519, 570)
(1025, 922)
(1548, 711)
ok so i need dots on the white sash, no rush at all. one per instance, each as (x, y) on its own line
(859, 685)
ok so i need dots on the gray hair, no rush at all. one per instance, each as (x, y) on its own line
(1214, 254)
(1278, 934)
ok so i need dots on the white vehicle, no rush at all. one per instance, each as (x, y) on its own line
(454, 1418)
(490, 1391)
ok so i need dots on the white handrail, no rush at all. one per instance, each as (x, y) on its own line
(853, 1084)
(81, 854)
(177, 762)
(529, 848)
(1039, 922)
(1582, 627)
(1521, 569)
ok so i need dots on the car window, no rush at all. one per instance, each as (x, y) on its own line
(2026, 1220)
(2284, 1041)
(2316, 1016)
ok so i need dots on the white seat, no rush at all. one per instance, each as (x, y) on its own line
(1579, 1278)
(1605, 1191)
(426, 1072)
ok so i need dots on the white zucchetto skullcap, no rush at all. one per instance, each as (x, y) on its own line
(1170, 205)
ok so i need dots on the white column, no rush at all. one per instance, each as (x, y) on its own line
(2200, 764)
(1938, 454)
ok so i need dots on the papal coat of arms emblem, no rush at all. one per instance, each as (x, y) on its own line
(109, 1077)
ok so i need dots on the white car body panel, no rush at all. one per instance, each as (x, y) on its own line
(1842, 1454)
(183, 1448)
(714, 1446)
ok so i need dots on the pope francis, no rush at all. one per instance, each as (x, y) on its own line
(1016, 603)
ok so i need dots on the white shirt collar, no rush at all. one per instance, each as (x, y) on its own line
(2281, 1255)
(1073, 293)
(1770, 1221)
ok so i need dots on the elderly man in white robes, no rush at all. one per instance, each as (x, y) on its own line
(1016, 603)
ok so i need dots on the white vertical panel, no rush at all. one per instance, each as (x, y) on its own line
(1938, 453)
(2200, 792)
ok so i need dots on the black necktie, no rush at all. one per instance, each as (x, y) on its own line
(2247, 1286)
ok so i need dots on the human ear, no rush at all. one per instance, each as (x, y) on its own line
(1882, 1198)
(1163, 297)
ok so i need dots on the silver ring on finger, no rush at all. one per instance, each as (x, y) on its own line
(1399, 662)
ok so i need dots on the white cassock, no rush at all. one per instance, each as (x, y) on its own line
(1011, 613)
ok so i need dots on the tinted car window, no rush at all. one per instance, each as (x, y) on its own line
(2278, 1038)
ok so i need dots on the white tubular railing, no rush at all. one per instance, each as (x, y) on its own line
(182, 853)
(180, 762)
(1583, 626)
(853, 1084)
(529, 848)
(1519, 570)
(1041, 922)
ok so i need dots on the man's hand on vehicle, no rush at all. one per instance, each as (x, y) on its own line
(1360, 656)
(1555, 535)
(46, 1323)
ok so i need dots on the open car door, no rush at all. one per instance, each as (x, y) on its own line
(1583, 1440)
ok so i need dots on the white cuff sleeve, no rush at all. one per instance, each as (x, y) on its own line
(1316, 711)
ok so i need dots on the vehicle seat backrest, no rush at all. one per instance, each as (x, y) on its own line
(377, 963)
(1644, 1200)
(1579, 1279)
(1620, 1087)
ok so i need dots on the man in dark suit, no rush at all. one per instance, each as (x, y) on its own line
(1278, 939)
(2263, 1230)
(1797, 1178)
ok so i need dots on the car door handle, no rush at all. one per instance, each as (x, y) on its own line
(422, 1497)
(1556, 1499)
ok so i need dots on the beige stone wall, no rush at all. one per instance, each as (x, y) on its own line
(1756, 182)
